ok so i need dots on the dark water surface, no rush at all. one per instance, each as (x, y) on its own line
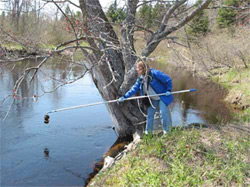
(63, 152)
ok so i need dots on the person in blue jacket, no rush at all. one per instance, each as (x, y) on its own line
(151, 82)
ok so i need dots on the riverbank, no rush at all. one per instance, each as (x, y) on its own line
(18, 53)
(207, 157)
(224, 58)
(218, 155)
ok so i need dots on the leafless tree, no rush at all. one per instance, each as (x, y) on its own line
(114, 58)
(111, 59)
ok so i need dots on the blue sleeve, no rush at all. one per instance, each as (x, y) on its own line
(164, 79)
(135, 88)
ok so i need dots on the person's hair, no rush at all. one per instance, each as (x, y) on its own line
(143, 65)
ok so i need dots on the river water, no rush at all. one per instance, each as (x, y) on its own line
(64, 152)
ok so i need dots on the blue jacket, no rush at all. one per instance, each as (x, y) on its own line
(160, 82)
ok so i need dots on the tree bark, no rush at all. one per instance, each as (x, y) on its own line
(109, 65)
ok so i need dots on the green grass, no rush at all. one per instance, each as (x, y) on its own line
(242, 116)
(11, 46)
(84, 44)
(184, 158)
(48, 46)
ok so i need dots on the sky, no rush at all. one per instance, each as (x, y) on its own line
(105, 3)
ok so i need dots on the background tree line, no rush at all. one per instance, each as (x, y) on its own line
(30, 22)
(150, 15)
(35, 24)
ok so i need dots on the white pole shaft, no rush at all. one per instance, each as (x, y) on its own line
(112, 101)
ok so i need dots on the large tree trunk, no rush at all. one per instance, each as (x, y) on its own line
(108, 65)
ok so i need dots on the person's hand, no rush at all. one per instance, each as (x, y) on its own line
(121, 99)
(168, 93)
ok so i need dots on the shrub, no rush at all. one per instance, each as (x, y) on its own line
(227, 15)
(199, 25)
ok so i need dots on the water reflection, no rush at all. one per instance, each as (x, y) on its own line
(46, 153)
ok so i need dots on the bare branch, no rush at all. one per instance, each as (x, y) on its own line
(182, 55)
(155, 39)
(168, 15)
(63, 83)
(70, 2)
(69, 42)
(10, 106)
(112, 73)
(187, 18)
(38, 67)
(145, 29)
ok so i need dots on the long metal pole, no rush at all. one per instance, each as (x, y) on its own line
(46, 118)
